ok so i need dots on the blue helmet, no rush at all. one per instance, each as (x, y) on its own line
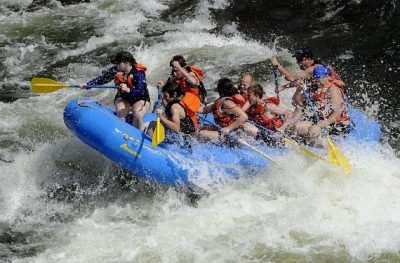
(320, 72)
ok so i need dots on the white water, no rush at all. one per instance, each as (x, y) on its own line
(308, 211)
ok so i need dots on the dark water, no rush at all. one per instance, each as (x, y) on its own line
(368, 30)
(361, 38)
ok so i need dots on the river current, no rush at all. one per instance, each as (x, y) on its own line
(60, 201)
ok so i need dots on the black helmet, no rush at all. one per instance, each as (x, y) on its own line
(302, 53)
(123, 56)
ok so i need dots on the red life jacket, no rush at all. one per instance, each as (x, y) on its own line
(186, 86)
(319, 97)
(245, 95)
(121, 78)
(256, 114)
(224, 119)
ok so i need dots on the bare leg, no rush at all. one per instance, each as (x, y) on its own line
(139, 109)
(122, 107)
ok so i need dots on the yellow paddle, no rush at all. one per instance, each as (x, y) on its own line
(303, 149)
(159, 131)
(45, 85)
(336, 156)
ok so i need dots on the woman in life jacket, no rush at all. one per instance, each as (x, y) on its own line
(227, 111)
(175, 117)
(189, 78)
(132, 95)
(328, 101)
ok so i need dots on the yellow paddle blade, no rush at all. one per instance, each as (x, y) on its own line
(304, 149)
(45, 85)
(336, 156)
(158, 134)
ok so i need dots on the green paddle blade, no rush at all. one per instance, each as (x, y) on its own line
(45, 85)
(335, 156)
(158, 134)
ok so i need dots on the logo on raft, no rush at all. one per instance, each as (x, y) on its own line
(129, 150)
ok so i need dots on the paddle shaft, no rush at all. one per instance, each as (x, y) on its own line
(94, 86)
(243, 143)
(276, 80)
(291, 142)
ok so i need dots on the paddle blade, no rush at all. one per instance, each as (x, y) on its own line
(45, 85)
(336, 156)
(158, 134)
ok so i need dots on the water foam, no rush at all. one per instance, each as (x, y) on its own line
(308, 208)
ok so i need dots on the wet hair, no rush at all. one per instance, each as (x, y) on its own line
(226, 87)
(124, 56)
(303, 53)
(173, 89)
(180, 59)
(257, 90)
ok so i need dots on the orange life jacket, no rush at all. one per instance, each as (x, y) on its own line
(256, 113)
(121, 78)
(191, 104)
(319, 97)
(224, 119)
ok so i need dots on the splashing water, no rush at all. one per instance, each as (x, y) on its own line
(62, 202)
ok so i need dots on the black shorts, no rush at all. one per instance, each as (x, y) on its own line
(131, 100)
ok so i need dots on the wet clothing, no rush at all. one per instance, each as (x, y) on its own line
(198, 90)
(320, 99)
(135, 80)
(186, 124)
(256, 114)
(222, 118)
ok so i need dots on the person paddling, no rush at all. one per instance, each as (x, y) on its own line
(176, 117)
(188, 77)
(227, 111)
(326, 96)
(133, 95)
(305, 60)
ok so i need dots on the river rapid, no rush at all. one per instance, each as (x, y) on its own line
(60, 201)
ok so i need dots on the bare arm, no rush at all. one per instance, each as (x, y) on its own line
(175, 123)
(291, 119)
(290, 76)
(246, 106)
(191, 77)
(231, 108)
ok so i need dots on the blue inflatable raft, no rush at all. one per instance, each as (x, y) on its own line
(172, 164)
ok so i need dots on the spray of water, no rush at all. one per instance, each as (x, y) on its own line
(61, 201)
